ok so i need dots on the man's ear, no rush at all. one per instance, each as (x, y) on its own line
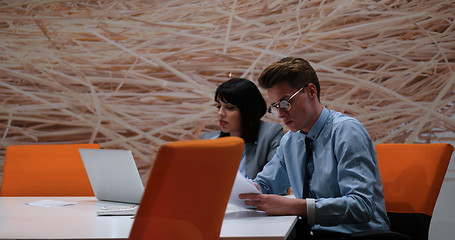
(312, 90)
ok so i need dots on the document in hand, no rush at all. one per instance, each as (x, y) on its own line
(241, 185)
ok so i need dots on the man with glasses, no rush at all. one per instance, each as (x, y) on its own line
(327, 158)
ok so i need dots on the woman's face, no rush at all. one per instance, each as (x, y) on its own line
(229, 118)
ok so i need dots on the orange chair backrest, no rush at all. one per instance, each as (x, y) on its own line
(412, 175)
(45, 170)
(188, 190)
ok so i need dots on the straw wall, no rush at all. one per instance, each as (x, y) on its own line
(135, 74)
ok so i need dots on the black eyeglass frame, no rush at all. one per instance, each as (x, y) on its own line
(287, 102)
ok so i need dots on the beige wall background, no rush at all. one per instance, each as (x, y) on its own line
(137, 74)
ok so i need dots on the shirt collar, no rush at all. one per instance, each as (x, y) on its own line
(317, 127)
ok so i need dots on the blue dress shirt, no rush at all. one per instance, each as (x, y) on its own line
(346, 183)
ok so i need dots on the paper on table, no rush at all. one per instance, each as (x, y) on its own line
(241, 185)
(50, 203)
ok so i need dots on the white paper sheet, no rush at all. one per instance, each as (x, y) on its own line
(50, 203)
(241, 185)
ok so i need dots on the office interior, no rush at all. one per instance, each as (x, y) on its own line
(137, 74)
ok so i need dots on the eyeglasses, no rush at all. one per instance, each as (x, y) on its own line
(283, 104)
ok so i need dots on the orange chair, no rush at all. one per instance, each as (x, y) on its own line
(188, 190)
(412, 176)
(45, 170)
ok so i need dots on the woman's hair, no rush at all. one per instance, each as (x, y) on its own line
(244, 95)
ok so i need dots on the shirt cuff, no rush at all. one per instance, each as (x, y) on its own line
(310, 211)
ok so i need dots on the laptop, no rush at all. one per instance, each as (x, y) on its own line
(113, 175)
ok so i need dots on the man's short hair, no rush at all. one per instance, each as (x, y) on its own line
(297, 72)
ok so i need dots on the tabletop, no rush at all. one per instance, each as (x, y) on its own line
(79, 221)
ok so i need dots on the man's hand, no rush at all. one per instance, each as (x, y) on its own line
(275, 204)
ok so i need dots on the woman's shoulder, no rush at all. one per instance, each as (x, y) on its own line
(270, 129)
(268, 126)
(210, 135)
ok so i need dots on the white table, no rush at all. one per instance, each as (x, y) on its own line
(20, 221)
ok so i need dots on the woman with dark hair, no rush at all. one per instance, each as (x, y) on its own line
(240, 109)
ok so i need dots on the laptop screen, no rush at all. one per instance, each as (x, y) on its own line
(113, 175)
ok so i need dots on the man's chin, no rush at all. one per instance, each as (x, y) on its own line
(292, 128)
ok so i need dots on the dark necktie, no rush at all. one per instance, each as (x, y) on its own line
(308, 168)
